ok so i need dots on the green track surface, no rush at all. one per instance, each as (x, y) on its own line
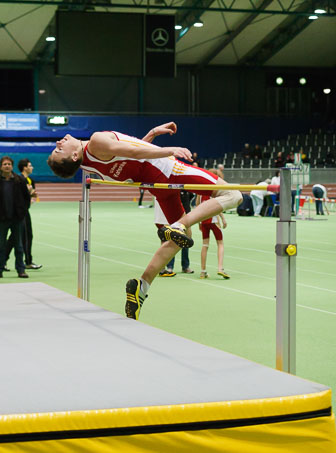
(236, 315)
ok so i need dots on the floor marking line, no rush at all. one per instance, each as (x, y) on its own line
(186, 278)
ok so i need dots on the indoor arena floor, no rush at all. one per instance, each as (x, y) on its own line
(236, 315)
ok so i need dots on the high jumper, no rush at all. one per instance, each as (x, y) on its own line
(115, 156)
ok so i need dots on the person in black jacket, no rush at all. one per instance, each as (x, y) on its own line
(14, 204)
(26, 170)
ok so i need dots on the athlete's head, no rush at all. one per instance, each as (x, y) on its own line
(66, 157)
(25, 164)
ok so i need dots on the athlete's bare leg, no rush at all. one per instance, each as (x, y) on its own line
(208, 208)
(204, 252)
(203, 211)
(220, 254)
(161, 257)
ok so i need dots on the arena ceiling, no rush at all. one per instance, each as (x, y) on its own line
(234, 32)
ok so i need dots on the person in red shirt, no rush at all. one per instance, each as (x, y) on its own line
(207, 225)
(116, 156)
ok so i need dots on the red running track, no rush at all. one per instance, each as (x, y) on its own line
(73, 192)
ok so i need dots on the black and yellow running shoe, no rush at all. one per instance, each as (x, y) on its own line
(223, 274)
(167, 273)
(134, 299)
(177, 235)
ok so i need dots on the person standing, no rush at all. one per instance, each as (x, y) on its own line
(14, 204)
(258, 197)
(212, 224)
(319, 191)
(26, 169)
(276, 179)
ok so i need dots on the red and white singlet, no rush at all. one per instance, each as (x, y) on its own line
(166, 170)
(126, 168)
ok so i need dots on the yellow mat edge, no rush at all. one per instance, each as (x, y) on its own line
(158, 415)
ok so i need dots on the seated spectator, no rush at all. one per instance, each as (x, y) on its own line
(220, 170)
(279, 160)
(257, 152)
(246, 151)
(304, 158)
(195, 159)
(290, 158)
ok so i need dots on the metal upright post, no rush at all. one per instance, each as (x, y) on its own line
(80, 241)
(84, 236)
(286, 250)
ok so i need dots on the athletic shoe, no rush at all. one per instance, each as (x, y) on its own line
(33, 266)
(23, 275)
(223, 274)
(167, 273)
(134, 300)
(187, 271)
(177, 235)
(204, 275)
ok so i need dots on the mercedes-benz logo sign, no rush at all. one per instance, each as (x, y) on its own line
(160, 37)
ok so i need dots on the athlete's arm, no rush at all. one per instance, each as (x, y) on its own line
(223, 220)
(167, 128)
(104, 146)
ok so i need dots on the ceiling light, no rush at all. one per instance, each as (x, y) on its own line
(178, 27)
(50, 38)
(183, 32)
(313, 17)
(279, 80)
(326, 90)
(320, 11)
(198, 24)
(302, 81)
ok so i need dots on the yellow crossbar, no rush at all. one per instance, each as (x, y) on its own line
(241, 187)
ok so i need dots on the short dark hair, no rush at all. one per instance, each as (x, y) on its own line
(6, 158)
(66, 168)
(23, 163)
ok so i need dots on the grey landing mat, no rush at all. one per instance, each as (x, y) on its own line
(60, 353)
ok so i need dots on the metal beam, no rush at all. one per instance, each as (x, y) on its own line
(277, 38)
(226, 40)
(153, 6)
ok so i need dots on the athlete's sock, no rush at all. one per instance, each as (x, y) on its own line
(177, 225)
(144, 286)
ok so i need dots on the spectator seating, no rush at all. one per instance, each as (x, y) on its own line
(318, 145)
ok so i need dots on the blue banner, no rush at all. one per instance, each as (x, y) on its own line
(20, 121)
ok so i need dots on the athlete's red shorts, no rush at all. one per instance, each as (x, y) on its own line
(206, 227)
(169, 200)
